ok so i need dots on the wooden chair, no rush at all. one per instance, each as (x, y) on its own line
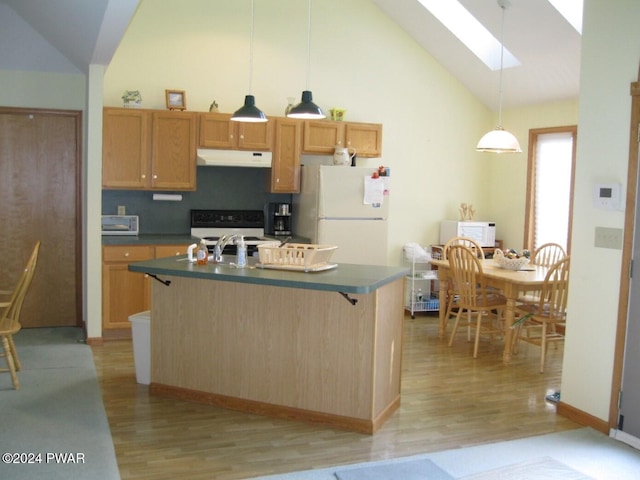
(545, 255)
(451, 290)
(537, 323)
(473, 295)
(10, 316)
(548, 254)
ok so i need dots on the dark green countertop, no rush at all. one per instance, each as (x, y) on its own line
(149, 239)
(346, 278)
(171, 239)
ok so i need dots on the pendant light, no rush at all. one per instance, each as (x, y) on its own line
(249, 112)
(306, 108)
(499, 140)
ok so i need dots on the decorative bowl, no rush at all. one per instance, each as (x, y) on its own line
(516, 263)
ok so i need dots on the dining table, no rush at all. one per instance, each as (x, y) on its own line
(511, 283)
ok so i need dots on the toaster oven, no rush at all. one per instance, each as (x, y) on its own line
(120, 224)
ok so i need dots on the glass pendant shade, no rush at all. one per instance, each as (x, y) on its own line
(306, 108)
(249, 112)
(498, 141)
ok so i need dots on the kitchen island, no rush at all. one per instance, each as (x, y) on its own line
(321, 347)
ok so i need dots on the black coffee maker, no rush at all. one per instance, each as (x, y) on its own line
(279, 219)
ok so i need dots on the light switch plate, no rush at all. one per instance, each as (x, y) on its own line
(608, 238)
(122, 210)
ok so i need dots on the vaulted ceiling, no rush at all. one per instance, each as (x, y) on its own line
(547, 46)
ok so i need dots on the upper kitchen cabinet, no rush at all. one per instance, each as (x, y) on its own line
(322, 136)
(285, 164)
(149, 149)
(173, 151)
(366, 138)
(217, 130)
(125, 148)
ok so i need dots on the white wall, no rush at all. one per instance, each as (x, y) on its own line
(506, 183)
(360, 60)
(611, 52)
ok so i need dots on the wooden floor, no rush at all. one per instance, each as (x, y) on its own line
(449, 400)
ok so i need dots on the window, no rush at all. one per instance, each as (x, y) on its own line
(552, 154)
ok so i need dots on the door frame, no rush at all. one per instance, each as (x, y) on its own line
(77, 116)
(627, 254)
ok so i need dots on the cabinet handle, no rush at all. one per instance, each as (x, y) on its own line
(126, 254)
(144, 176)
(241, 137)
(155, 177)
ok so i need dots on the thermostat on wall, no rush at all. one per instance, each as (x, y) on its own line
(607, 196)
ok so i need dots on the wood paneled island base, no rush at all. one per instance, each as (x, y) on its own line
(295, 353)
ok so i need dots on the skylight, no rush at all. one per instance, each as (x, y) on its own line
(471, 32)
(571, 10)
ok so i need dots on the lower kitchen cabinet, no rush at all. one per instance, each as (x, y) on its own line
(125, 293)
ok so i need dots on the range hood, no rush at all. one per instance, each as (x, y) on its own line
(233, 158)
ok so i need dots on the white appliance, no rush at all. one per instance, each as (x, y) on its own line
(331, 209)
(210, 225)
(210, 157)
(482, 232)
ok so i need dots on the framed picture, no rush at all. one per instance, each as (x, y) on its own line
(176, 99)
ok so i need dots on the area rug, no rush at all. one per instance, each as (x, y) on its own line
(410, 470)
(583, 451)
(545, 468)
(55, 425)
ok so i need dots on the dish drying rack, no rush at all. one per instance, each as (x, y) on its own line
(296, 256)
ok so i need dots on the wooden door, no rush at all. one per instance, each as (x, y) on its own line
(40, 154)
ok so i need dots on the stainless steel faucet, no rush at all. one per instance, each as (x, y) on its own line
(220, 244)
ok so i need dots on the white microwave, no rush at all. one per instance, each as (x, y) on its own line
(482, 232)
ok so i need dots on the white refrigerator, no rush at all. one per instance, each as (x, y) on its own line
(344, 206)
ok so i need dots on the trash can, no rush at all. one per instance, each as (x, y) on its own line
(140, 330)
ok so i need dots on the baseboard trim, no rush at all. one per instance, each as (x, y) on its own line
(95, 341)
(350, 424)
(581, 417)
(625, 438)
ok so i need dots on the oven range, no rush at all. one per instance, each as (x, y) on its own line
(210, 225)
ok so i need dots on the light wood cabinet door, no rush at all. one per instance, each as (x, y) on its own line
(217, 130)
(366, 138)
(322, 136)
(173, 160)
(124, 293)
(285, 165)
(125, 148)
(163, 251)
(255, 136)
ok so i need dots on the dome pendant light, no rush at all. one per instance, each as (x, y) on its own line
(499, 140)
(249, 112)
(306, 108)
